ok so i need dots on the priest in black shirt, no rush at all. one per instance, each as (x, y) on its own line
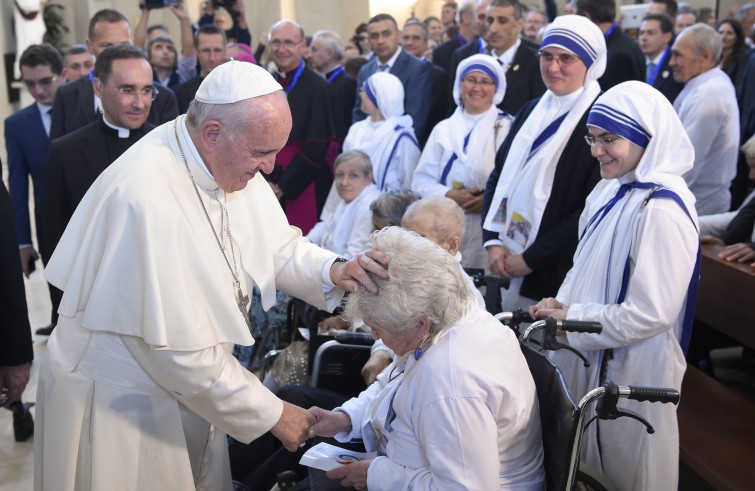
(302, 176)
(123, 82)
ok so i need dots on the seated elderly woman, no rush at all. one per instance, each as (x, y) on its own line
(460, 153)
(446, 414)
(734, 229)
(635, 272)
(387, 136)
(346, 230)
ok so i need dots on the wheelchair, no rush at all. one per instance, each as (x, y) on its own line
(563, 422)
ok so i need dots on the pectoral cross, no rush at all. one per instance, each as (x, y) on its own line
(243, 302)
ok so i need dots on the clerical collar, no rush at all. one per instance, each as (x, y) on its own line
(122, 132)
(203, 177)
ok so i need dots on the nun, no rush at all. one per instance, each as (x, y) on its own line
(460, 153)
(387, 136)
(544, 171)
(635, 271)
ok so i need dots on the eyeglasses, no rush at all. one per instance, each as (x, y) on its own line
(132, 93)
(482, 82)
(288, 43)
(43, 83)
(604, 140)
(563, 58)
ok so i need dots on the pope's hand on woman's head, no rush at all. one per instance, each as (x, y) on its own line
(350, 275)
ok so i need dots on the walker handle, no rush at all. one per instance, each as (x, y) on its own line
(652, 394)
(577, 326)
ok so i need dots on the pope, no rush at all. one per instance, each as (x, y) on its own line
(156, 265)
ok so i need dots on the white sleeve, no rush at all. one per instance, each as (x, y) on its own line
(406, 161)
(459, 437)
(662, 262)
(356, 408)
(426, 180)
(702, 120)
(212, 384)
(715, 224)
(315, 235)
(359, 240)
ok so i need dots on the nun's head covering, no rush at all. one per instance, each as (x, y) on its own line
(487, 65)
(639, 113)
(386, 91)
(581, 37)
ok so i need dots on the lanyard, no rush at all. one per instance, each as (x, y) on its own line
(295, 80)
(653, 75)
(335, 73)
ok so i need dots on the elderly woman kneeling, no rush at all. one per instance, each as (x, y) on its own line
(458, 408)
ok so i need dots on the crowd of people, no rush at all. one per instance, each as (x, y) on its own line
(583, 162)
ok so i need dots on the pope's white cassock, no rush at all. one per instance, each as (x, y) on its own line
(140, 388)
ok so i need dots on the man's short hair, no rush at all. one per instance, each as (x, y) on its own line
(666, 23)
(157, 27)
(382, 17)
(76, 49)
(103, 66)
(422, 25)
(332, 41)
(671, 6)
(600, 11)
(518, 7)
(209, 29)
(293, 23)
(686, 9)
(111, 16)
(704, 38)
(42, 54)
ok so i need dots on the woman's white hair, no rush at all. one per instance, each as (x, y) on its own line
(424, 281)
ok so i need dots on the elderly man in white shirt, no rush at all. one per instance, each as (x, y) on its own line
(707, 107)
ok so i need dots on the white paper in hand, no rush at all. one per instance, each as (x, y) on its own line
(327, 457)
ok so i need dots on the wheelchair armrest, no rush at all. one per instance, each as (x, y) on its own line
(358, 338)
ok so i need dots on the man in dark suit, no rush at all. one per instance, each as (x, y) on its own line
(656, 34)
(75, 104)
(123, 82)
(327, 55)
(210, 44)
(413, 73)
(746, 97)
(414, 37)
(625, 61)
(504, 20)
(468, 32)
(26, 141)
(16, 352)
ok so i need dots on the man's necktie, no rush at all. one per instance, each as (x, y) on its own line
(649, 71)
(383, 68)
